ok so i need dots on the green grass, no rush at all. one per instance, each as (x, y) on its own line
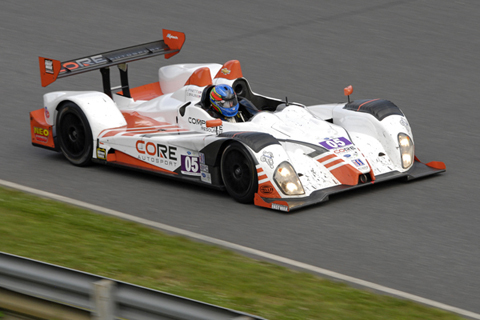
(46, 230)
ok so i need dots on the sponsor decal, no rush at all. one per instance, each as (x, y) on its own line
(190, 165)
(170, 36)
(206, 177)
(157, 150)
(203, 168)
(404, 123)
(347, 155)
(101, 154)
(202, 157)
(225, 71)
(41, 139)
(266, 189)
(41, 134)
(335, 143)
(47, 114)
(48, 66)
(41, 131)
(280, 207)
(358, 163)
(268, 158)
(84, 62)
(216, 130)
(194, 93)
(343, 150)
(202, 123)
(156, 160)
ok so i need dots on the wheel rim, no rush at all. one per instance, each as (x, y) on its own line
(237, 172)
(73, 134)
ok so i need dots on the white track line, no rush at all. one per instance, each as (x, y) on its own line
(240, 248)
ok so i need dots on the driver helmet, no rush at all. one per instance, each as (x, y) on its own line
(224, 100)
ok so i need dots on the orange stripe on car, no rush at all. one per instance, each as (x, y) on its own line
(333, 163)
(135, 120)
(133, 162)
(344, 172)
(366, 103)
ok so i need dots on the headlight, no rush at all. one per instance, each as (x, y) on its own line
(407, 150)
(287, 179)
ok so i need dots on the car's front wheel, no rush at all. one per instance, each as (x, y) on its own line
(239, 173)
(74, 134)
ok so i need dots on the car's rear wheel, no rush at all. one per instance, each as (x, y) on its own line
(74, 134)
(239, 173)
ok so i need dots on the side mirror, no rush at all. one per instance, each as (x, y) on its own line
(348, 91)
(214, 123)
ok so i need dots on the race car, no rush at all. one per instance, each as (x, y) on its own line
(283, 156)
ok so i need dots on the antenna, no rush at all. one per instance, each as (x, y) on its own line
(286, 101)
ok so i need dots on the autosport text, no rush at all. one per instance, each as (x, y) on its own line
(156, 160)
(157, 150)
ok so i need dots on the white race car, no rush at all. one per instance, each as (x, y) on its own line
(281, 156)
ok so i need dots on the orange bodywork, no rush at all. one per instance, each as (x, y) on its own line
(146, 92)
(41, 131)
(345, 174)
(231, 70)
(277, 204)
(266, 189)
(127, 160)
(200, 77)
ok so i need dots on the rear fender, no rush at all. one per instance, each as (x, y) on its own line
(100, 110)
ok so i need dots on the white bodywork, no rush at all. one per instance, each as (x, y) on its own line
(353, 139)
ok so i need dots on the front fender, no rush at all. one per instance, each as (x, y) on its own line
(383, 130)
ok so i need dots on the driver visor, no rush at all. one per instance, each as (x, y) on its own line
(230, 103)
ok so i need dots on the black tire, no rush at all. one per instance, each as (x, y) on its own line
(239, 173)
(74, 135)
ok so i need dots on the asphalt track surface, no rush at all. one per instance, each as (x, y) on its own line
(420, 237)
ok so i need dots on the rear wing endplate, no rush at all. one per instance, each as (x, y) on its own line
(51, 70)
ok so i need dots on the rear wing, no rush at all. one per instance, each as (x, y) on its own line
(51, 70)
